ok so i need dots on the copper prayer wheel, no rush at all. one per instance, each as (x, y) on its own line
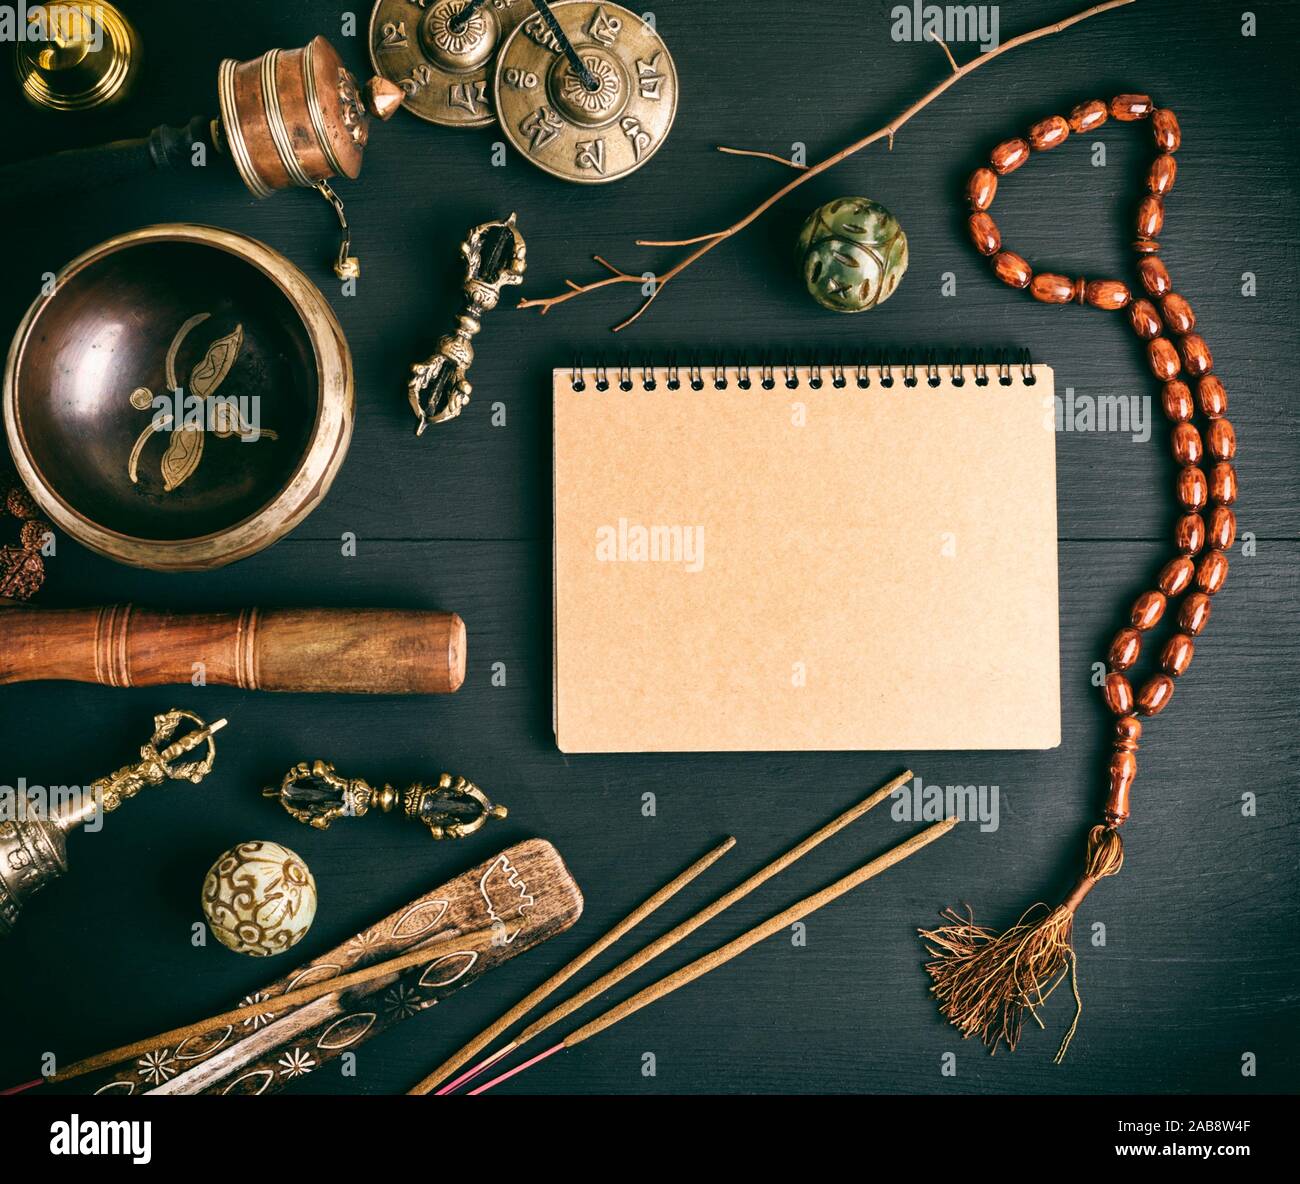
(293, 117)
(296, 117)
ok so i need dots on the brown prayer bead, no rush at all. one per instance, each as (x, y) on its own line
(1211, 572)
(1187, 445)
(1177, 399)
(1195, 613)
(1196, 354)
(1162, 174)
(1176, 657)
(1128, 731)
(1009, 156)
(1222, 528)
(1147, 610)
(984, 233)
(1145, 320)
(1011, 269)
(981, 188)
(1176, 576)
(1163, 358)
(1221, 439)
(1151, 216)
(1128, 108)
(1189, 533)
(1049, 133)
(1178, 313)
(1087, 116)
(1155, 694)
(1118, 693)
(1193, 491)
(1223, 483)
(1211, 397)
(1164, 126)
(1123, 772)
(1106, 294)
(1051, 288)
(1125, 649)
(1155, 275)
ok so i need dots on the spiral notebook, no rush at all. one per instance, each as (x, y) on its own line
(810, 557)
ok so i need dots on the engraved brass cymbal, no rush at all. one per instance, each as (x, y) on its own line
(444, 67)
(588, 135)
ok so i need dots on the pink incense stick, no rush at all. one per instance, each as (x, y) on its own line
(509, 1073)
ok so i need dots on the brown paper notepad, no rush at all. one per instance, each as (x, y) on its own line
(806, 568)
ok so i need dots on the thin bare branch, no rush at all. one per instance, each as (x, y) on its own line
(610, 267)
(764, 155)
(947, 52)
(681, 242)
(706, 243)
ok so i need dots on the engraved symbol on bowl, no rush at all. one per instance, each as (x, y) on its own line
(459, 47)
(590, 108)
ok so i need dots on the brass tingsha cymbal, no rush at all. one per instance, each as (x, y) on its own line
(588, 135)
(444, 65)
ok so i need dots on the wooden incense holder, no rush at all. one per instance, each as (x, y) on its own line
(369, 651)
(471, 924)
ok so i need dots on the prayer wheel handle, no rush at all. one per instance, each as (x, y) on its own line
(289, 118)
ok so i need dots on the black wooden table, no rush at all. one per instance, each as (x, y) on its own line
(1201, 948)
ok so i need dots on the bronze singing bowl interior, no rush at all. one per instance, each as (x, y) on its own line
(87, 397)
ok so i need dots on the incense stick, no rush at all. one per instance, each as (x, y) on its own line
(561, 976)
(672, 937)
(286, 1002)
(723, 954)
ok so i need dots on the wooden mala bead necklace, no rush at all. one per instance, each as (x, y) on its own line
(986, 982)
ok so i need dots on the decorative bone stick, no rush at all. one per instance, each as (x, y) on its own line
(723, 954)
(259, 1010)
(634, 963)
(376, 651)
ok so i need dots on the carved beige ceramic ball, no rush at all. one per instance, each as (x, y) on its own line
(259, 899)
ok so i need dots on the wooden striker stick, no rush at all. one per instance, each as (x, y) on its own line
(286, 1002)
(561, 976)
(723, 954)
(687, 927)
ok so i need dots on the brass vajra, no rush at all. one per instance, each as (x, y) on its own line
(316, 795)
(494, 258)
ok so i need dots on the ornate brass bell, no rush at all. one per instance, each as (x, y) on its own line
(33, 848)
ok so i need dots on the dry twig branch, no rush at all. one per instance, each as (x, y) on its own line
(765, 156)
(704, 243)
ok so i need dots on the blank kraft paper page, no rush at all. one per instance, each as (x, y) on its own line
(815, 567)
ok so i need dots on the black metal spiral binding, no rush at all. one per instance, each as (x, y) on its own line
(861, 371)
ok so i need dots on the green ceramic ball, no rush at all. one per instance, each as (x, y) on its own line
(852, 252)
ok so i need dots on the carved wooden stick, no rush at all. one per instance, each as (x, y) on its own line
(373, 651)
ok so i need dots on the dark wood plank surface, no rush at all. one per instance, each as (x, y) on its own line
(1202, 952)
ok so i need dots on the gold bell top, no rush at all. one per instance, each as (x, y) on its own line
(73, 57)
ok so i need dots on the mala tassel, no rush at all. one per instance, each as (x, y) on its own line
(985, 982)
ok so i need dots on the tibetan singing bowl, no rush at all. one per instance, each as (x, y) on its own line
(182, 397)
